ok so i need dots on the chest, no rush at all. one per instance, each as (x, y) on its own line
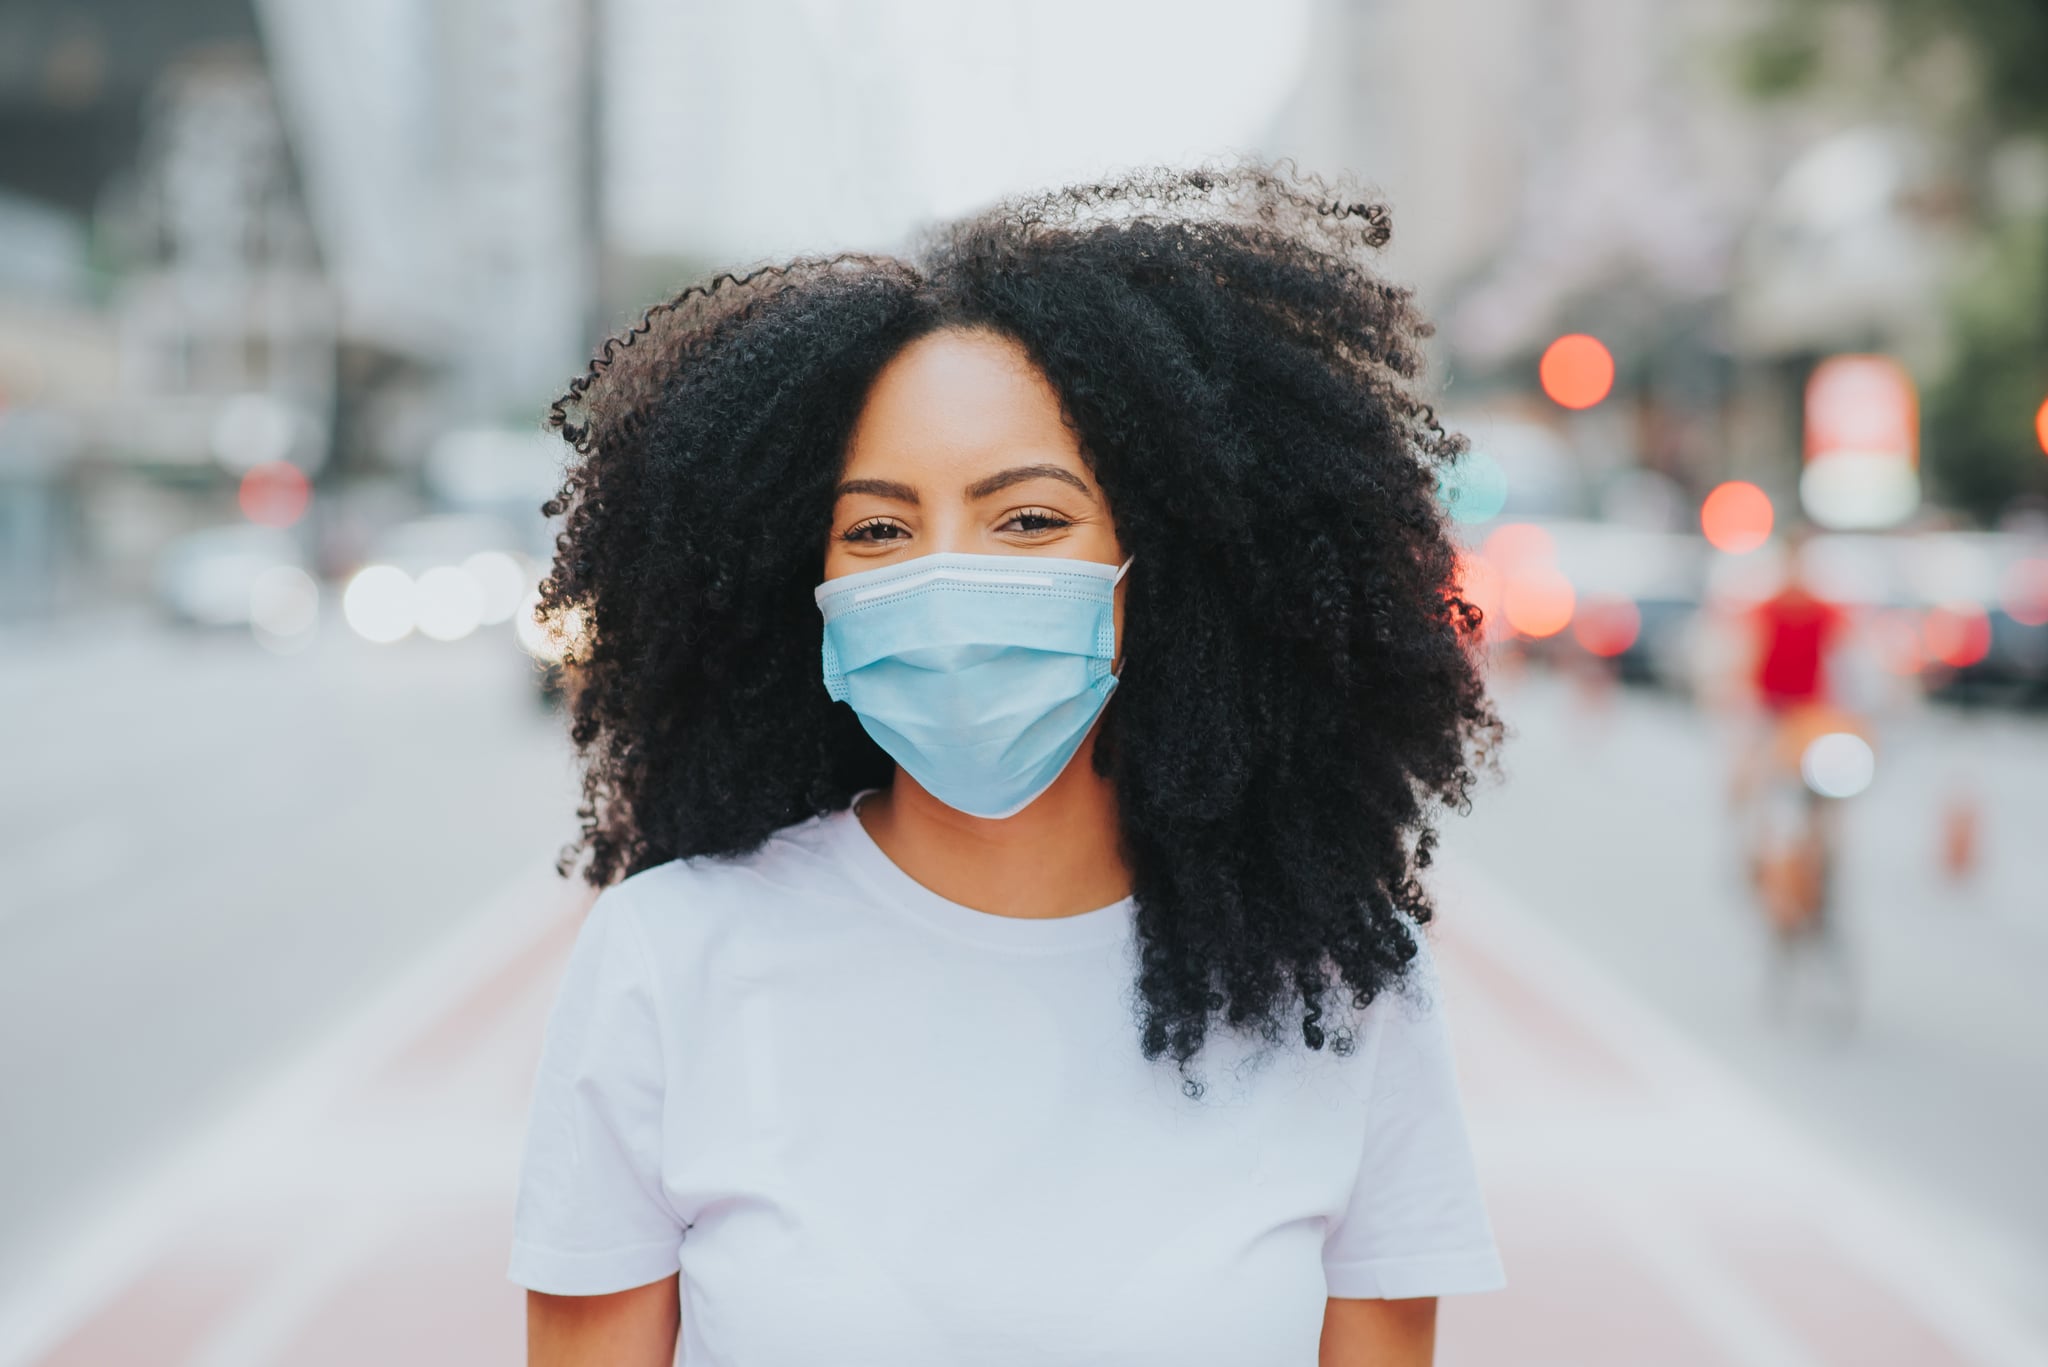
(967, 1166)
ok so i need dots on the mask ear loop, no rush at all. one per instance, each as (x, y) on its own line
(1122, 570)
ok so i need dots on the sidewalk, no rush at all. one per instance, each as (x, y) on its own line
(1650, 1209)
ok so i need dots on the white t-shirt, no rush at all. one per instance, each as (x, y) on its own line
(873, 1126)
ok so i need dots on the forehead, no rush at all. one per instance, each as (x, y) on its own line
(958, 402)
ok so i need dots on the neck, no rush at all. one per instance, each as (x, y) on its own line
(1058, 857)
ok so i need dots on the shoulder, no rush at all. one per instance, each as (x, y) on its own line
(1405, 1041)
(1404, 1023)
(707, 898)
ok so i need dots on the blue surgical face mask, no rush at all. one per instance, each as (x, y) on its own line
(979, 674)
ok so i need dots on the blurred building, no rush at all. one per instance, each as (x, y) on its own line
(236, 231)
(451, 169)
(223, 307)
(1593, 165)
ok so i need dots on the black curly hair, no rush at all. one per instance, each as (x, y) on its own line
(1301, 691)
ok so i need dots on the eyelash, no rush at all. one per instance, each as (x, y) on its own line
(855, 532)
(1047, 521)
(1050, 521)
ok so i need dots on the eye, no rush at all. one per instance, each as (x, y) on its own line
(875, 529)
(1035, 521)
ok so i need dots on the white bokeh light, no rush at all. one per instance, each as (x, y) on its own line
(253, 429)
(503, 582)
(554, 641)
(1838, 764)
(1854, 491)
(450, 603)
(379, 603)
(284, 601)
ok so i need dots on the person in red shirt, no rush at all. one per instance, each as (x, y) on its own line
(1792, 852)
(1796, 631)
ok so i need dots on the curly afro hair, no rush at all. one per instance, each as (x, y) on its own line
(1301, 691)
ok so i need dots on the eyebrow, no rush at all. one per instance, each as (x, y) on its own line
(982, 488)
(880, 488)
(1018, 474)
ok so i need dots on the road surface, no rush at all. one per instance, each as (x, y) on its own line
(209, 854)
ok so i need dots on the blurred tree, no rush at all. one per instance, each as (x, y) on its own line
(1981, 447)
(1979, 414)
(2008, 40)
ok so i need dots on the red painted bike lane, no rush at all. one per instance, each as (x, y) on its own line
(1650, 1209)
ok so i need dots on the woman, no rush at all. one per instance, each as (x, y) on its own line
(1015, 688)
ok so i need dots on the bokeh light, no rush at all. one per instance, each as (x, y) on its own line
(1736, 517)
(1859, 491)
(1538, 600)
(1577, 371)
(253, 430)
(1479, 585)
(2023, 593)
(1607, 626)
(553, 640)
(1474, 488)
(1838, 764)
(275, 494)
(1515, 544)
(503, 582)
(449, 605)
(1895, 640)
(1957, 634)
(284, 601)
(2041, 425)
(379, 604)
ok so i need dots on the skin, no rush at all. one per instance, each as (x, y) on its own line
(961, 446)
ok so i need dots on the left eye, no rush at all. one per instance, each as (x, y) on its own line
(1036, 521)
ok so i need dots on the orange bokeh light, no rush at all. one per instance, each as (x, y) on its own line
(2041, 424)
(1512, 545)
(275, 494)
(1607, 626)
(1479, 585)
(1736, 517)
(1957, 634)
(1538, 600)
(1576, 370)
(2024, 594)
(1896, 641)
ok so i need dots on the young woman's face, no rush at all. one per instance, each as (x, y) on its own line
(960, 446)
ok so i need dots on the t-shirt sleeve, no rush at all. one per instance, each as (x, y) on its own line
(1416, 1224)
(592, 1215)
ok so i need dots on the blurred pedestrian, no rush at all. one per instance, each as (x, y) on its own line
(1064, 994)
(1790, 820)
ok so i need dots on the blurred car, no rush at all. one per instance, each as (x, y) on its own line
(1981, 599)
(214, 577)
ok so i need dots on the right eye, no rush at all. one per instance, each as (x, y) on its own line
(875, 529)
